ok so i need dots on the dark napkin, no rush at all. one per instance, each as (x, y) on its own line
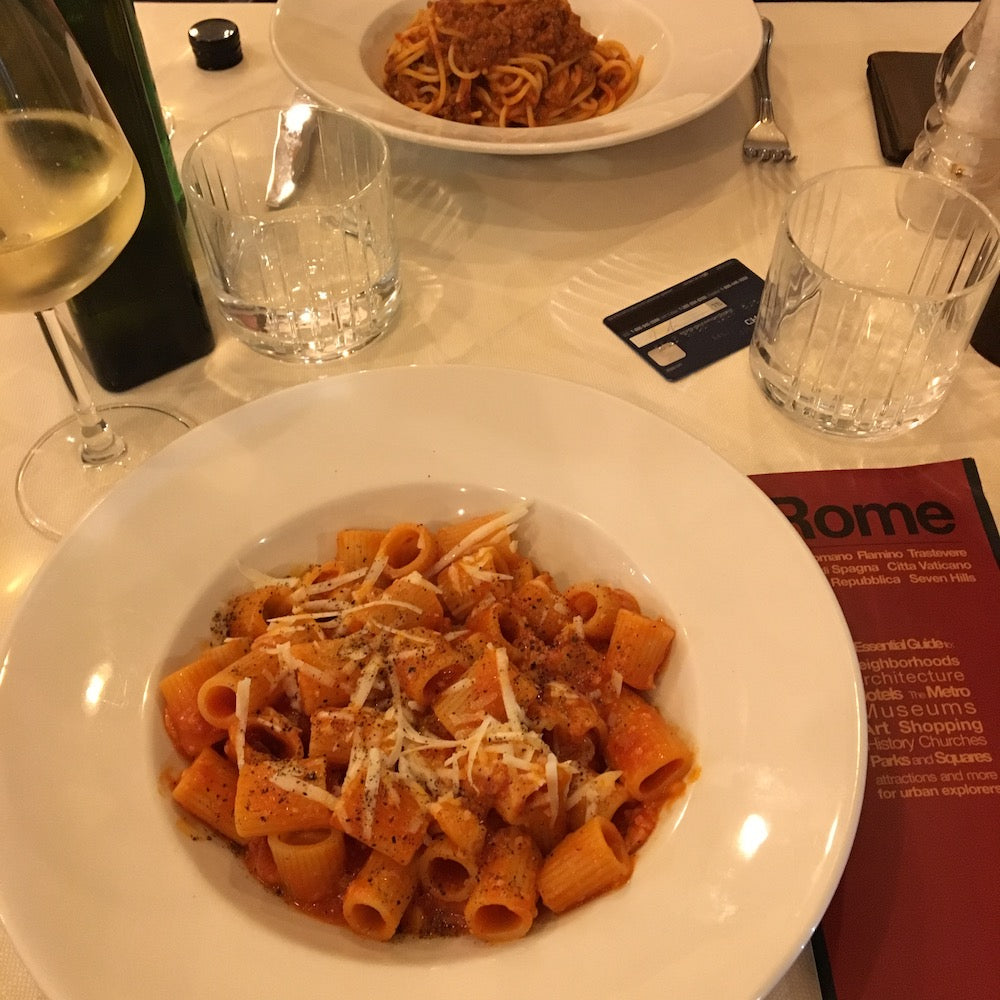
(902, 87)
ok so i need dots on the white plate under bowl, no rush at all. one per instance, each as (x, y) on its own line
(695, 55)
(107, 897)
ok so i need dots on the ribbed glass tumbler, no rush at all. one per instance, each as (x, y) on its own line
(876, 282)
(306, 270)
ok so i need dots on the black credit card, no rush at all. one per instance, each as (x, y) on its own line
(693, 323)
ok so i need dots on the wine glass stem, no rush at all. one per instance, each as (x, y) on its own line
(98, 442)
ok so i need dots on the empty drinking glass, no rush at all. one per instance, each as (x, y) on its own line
(876, 282)
(293, 208)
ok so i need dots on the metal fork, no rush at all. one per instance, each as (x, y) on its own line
(765, 141)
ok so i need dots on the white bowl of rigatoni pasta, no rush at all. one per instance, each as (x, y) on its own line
(541, 705)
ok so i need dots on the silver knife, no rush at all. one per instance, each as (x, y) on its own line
(292, 144)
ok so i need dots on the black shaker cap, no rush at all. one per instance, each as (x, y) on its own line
(215, 43)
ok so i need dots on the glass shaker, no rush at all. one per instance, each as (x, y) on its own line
(961, 136)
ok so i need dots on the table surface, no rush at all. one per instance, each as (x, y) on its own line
(513, 262)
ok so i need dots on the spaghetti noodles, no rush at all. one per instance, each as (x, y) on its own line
(507, 63)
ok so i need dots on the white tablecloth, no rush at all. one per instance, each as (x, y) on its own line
(513, 262)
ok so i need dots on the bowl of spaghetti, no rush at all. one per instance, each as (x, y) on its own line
(521, 77)
(527, 63)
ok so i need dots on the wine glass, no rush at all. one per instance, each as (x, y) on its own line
(71, 198)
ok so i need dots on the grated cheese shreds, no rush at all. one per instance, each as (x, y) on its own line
(386, 602)
(514, 763)
(515, 714)
(316, 673)
(591, 789)
(473, 744)
(411, 636)
(242, 712)
(292, 783)
(398, 716)
(288, 661)
(484, 575)
(367, 680)
(473, 565)
(474, 537)
(335, 582)
(295, 619)
(552, 780)
(321, 608)
(421, 581)
(376, 569)
(407, 654)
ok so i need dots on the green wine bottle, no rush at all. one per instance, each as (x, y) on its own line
(145, 315)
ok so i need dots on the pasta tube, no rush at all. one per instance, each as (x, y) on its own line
(447, 872)
(309, 862)
(377, 897)
(638, 648)
(504, 901)
(279, 796)
(357, 547)
(408, 548)
(459, 824)
(383, 811)
(217, 696)
(188, 729)
(586, 863)
(267, 735)
(207, 790)
(647, 750)
(542, 607)
(424, 665)
(250, 613)
(597, 606)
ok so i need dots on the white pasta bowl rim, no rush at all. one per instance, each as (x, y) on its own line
(107, 891)
(695, 56)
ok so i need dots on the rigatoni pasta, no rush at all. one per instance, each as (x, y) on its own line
(377, 897)
(425, 734)
(586, 863)
(309, 863)
(503, 903)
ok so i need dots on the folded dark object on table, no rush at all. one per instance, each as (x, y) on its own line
(902, 88)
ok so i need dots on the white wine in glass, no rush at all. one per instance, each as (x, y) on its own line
(79, 197)
(71, 197)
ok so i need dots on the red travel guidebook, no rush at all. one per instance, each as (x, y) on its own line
(913, 555)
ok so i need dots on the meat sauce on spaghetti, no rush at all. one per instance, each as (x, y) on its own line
(487, 34)
(516, 63)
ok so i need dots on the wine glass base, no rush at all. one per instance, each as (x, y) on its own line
(56, 488)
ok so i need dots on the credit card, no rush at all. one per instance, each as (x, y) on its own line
(693, 323)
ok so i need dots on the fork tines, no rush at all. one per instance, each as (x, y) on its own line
(765, 141)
